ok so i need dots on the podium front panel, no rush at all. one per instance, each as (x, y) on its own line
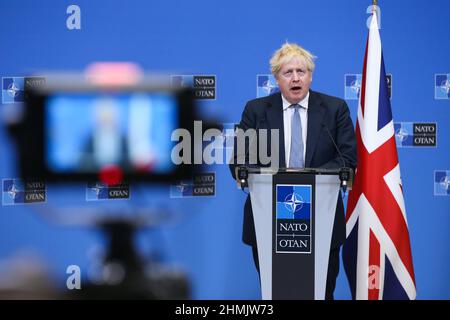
(260, 186)
(327, 192)
(294, 217)
(293, 236)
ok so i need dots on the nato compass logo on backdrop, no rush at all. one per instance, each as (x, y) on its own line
(229, 133)
(293, 212)
(352, 86)
(202, 184)
(412, 134)
(266, 85)
(222, 145)
(204, 86)
(226, 137)
(442, 86)
(100, 191)
(18, 191)
(182, 189)
(12, 89)
(442, 182)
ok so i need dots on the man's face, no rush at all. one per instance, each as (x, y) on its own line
(294, 79)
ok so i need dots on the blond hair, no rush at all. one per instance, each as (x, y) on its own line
(286, 53)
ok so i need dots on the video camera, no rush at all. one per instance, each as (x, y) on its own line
(79, 131)
(74, 130)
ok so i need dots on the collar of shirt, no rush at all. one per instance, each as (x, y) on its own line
(303, 103)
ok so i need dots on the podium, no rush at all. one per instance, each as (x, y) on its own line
(294, 212)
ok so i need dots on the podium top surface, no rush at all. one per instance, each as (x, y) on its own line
(269, 170)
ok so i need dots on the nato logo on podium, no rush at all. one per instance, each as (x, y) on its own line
(293, 218)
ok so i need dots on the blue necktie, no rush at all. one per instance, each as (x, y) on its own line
(296, 154)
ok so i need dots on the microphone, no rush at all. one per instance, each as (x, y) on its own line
(242, 176)
(345, 173)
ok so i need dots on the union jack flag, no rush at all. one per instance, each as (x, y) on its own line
(377, 253)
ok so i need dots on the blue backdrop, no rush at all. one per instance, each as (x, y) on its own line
(234, 40)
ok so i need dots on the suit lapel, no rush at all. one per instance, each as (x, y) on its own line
(315, 116)
(274, 116)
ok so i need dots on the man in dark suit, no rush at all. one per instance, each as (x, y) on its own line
(303, 118)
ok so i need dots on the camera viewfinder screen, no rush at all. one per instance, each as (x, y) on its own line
(86, 132)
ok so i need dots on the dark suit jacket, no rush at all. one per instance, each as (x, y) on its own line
(323, 111)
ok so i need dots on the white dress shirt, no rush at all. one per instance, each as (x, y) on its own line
(288, 113)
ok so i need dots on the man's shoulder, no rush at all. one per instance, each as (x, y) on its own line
(326, 99)
(265, 101)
